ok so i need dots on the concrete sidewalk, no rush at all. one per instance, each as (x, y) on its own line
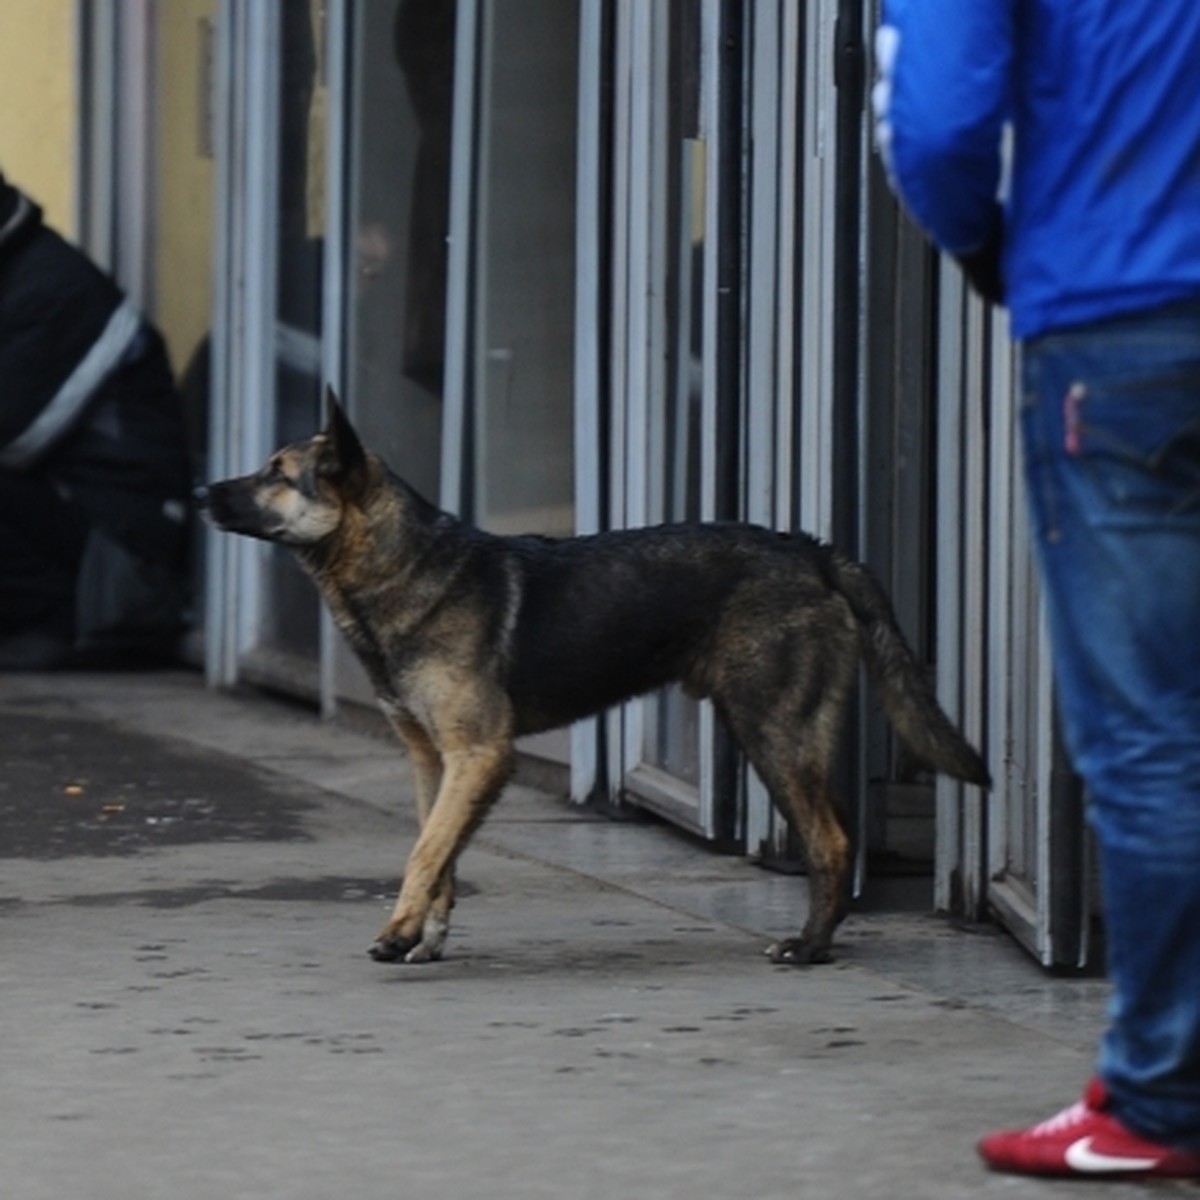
(191, 880)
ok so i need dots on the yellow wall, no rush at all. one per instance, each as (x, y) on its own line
(38, 128)
(38, 103)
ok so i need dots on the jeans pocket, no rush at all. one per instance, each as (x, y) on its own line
(1138, 441)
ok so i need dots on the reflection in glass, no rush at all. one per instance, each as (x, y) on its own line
(402, 82)
(523, 470)
(289, 625)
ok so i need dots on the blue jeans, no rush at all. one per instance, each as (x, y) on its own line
(1111, 423)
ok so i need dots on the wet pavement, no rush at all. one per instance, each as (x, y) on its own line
(189, 882)
(73, 787)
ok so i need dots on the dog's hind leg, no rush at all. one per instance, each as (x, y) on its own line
(788, 721)
(798, 781)
(472, 778)
(808, 805)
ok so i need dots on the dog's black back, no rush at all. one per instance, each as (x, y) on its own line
(614, 615)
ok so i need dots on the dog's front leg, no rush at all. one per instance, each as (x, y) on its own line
(471, 780)
(426, 762)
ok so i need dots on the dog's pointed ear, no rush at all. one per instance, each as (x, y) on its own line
(345, 460)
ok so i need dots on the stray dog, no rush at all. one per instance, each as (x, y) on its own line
(471, 640)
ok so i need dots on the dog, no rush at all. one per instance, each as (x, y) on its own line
(471, 640)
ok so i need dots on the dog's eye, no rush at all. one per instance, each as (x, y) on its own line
(274, 474)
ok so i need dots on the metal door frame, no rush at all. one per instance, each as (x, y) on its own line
(1019, 853)
(591, 297)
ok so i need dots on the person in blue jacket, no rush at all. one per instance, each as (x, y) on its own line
(1053, 147)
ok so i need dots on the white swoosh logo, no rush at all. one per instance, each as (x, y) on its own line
(1081, 1157)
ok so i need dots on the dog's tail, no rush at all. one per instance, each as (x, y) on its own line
(907, 696)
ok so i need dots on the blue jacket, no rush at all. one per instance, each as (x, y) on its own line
(1102, 213)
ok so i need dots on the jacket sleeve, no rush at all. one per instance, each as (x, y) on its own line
(941, 101)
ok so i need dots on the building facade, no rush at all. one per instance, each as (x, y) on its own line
(585, 264)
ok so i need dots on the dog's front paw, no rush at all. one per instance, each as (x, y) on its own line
(798, 952)
(391, 949)
(394, 945)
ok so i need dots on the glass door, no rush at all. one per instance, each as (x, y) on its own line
(285, 649)
(461, 142)
(520, 419)
(397, 101)
(669, 750)
(267, 353)
(178, 228)
(670, 385)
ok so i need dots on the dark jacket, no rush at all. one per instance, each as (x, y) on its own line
(86, 393)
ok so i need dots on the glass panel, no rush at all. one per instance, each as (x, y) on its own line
(181, 294)
(672, 719)
(402, 84)
(523, 476)
(289, 612)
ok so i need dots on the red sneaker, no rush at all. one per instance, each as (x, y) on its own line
(1084, 1139)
